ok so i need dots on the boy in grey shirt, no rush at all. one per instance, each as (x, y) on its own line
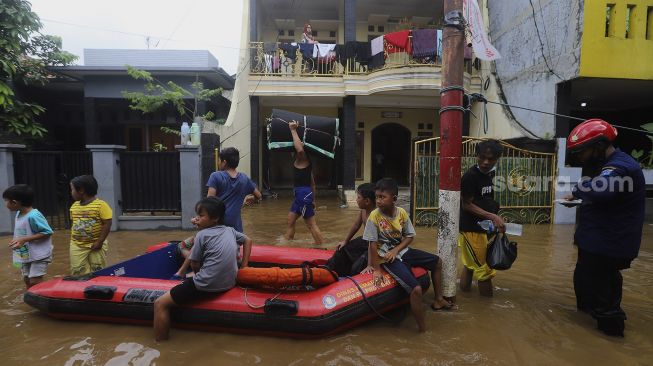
(213, 258)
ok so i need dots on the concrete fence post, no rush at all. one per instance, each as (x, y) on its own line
(567, 177)
(190, 169)
(106, 170)
(7, 180)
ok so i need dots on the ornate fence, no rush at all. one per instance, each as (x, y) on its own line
(524, 182)
(267, 59)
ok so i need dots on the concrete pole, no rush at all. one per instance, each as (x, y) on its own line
(106, 170)
(451, 116)
(7, 180)
(190, 168)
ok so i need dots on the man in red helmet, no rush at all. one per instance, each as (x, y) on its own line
(609, 226)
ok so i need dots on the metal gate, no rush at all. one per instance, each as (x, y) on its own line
(150, 181)
(524, 182)
(49, 174)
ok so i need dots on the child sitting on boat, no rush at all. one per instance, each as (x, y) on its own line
(351, 255)
(213, 258)
(390, 232)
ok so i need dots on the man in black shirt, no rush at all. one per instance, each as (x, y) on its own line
(478, 204)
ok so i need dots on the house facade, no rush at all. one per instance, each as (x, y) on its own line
(381, 108)
(584, 59)
(85, 106)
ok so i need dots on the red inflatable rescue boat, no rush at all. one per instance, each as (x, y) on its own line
(126, 291)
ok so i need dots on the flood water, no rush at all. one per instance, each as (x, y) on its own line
(530, 321)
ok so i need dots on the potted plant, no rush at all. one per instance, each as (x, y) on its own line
(644, 157)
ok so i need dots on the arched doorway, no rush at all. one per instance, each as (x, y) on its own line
(391, 153)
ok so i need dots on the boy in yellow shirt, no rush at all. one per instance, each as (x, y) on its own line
(91, 222)
(390, 232)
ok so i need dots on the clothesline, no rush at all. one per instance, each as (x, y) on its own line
(420, 43)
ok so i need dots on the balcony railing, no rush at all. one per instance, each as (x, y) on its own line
(277, 59)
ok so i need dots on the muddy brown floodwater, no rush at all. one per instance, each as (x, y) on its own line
(531, 320)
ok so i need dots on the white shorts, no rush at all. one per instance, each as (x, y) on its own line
(35, 268)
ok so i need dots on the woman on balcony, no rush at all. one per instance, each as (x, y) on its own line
(307, 36)
(307, 47)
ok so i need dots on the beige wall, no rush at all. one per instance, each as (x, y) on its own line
(270, 35)
(410, 119)
(239, 114)
(266, 111)
(371, 118)
(501, 125)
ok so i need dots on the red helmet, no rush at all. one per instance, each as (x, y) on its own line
(590, 132)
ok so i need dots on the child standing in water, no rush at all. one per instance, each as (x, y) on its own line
(91, 222)
(32, 234)
(304, 189)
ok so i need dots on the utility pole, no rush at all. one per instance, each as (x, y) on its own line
(451, 117)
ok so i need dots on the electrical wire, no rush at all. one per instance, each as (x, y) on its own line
(181, 20)
(537, 30)
(292, 5)
(479, 97)
(133, 34)
(275, 41)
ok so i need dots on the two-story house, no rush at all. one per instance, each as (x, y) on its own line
(381, 107)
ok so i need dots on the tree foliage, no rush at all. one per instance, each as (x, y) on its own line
(24, 54)
(158, 94)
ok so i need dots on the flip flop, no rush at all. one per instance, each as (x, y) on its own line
(176, 278)
(443, 308)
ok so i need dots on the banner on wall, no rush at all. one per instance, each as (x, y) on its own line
(479, 38)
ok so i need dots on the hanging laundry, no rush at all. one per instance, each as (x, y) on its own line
(323, 49)
(425, 42)
(363, 52)
(306, 49)
(377, 61)
(468, 52)
(377, 45)
(439, 55)
(268, 63)
(340, 54)
(398, 42)
(276, 63)
(290, 50)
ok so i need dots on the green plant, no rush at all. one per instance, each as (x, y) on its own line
(645, 158)
(24, 55)
(158, 94)
(159, 147)
(169, 130)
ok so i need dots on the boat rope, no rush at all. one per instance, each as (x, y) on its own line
(367, 301)
(257, 306)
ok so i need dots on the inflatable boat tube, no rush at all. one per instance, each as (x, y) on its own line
(125, 293)
(276, 277)
(319, 134)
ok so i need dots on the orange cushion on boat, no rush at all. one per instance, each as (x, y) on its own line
(280, 277)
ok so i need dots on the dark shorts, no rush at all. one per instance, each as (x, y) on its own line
(401, 271)
(186, 292)
(350, 259)
(303, 203)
